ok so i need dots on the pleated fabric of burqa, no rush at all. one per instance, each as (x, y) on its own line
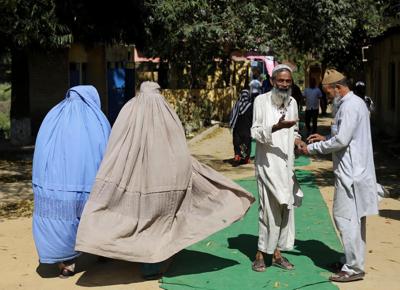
(151, 199)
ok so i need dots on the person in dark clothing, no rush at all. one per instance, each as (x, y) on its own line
(312, 96)
(266, 84)
(297, 95)
(323, 101)
(240, 123)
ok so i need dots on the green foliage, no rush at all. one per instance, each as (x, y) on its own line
(199, 31)
(365, 21)
(5, 96)
(31, 23)
(190, 35)
(194, 113)
(4, 124)
(5, 92)
(194, 33)
(57, 23)
(117, 21)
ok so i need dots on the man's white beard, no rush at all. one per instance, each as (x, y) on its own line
(280, 97)
(335, 104)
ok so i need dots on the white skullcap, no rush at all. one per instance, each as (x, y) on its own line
(281, 66)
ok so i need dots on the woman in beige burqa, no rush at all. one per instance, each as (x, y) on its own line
(151, 199)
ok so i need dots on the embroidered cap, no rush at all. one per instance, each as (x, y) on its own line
(332, 76)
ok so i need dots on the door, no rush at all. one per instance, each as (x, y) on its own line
(120, 80)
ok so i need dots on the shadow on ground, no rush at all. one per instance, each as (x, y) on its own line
(189, 262)
(97, 273)
(322, 177)
(321, 254)
(111, 272)
(390, 213)
(223, 166)
(83, 262)
(245, 243)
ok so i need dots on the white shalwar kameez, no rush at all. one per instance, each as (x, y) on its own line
(355, 194)
(277, 186)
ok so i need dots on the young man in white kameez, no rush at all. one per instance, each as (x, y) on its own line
(275, 129)
(355, 194)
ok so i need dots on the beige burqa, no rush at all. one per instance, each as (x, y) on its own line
(151, 199)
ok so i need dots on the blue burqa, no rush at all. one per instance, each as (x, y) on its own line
(68, 152)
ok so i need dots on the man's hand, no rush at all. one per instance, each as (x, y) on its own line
(300, 145)
(282, 123)
(305, 151)
(315, 138)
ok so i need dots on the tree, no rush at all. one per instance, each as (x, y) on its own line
(333, 32)
(193, 34)
(198, 32)
(23, 25)
(31, 24)
(367, 21)
(90, 21)
(52, 24)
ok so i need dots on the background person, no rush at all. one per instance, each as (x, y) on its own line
(240, 123)
(312, 96)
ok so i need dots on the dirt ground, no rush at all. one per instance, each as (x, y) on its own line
(19, 262)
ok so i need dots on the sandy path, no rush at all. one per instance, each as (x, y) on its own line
(18, 258)
(19, 266)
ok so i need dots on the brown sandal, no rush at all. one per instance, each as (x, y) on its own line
(345, 277)
(283, 263)
(258, 266)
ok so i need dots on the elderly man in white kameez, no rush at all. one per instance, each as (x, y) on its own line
(276, 132)
(355, 194)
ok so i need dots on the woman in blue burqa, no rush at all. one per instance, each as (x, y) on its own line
(68, 151)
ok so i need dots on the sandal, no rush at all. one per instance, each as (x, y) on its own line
(346, 277)
(258, 266)
(65, 273)
(283, 263)
(67, 269)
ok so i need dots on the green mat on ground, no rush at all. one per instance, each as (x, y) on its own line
(223, 260)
